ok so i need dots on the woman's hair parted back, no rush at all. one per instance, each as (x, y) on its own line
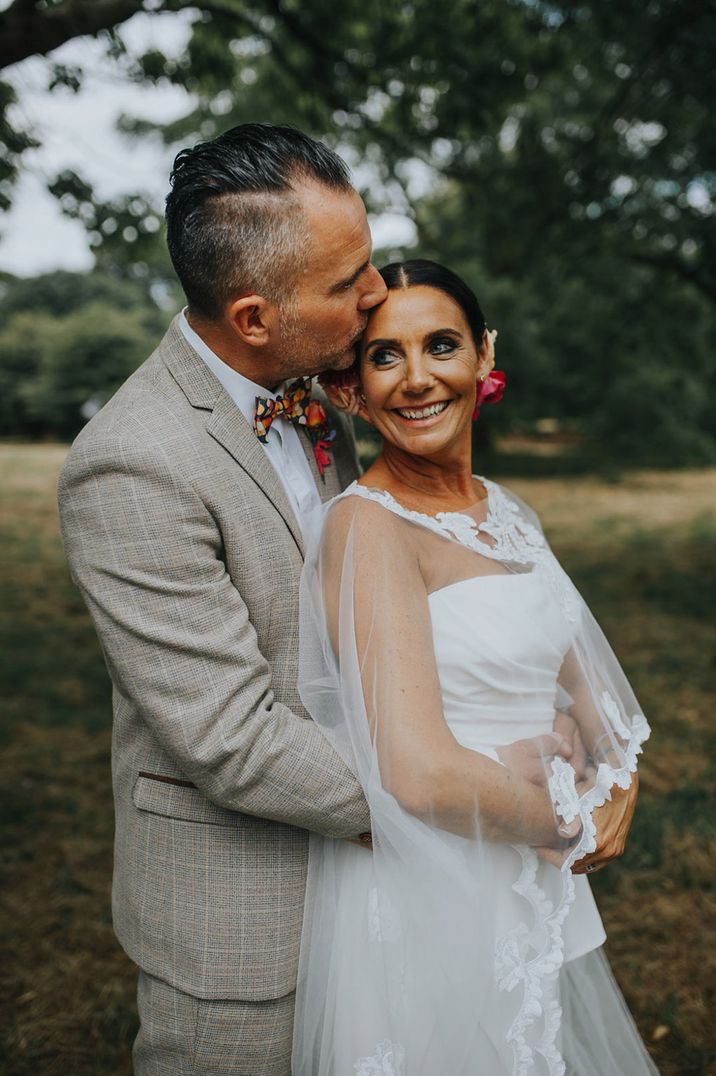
(233, 221)
(421, 272)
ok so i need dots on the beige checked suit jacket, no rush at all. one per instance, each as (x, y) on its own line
(181, 538)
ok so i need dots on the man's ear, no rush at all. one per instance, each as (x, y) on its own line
(252, 318)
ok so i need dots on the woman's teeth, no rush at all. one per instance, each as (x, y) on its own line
(424, 412)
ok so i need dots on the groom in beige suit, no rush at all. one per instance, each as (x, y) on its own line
(182, 523)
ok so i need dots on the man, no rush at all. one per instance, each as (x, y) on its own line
(181, 505)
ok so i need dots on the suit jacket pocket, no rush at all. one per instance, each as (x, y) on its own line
(174, 797)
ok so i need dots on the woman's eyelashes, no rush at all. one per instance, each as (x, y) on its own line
(383, 356)
(442, 346)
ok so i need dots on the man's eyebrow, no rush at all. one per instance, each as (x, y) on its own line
(351, 279)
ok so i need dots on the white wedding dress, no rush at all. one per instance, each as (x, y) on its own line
(435, 955)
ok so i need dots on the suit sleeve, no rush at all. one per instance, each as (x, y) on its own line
(146, 554)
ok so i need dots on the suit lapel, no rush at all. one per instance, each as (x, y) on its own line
(226, 424)
(229, 427)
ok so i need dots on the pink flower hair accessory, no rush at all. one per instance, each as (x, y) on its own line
(490, 386)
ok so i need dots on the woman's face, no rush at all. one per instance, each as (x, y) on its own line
(419, 365)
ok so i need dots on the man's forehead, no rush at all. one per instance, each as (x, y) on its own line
(328, 208)
(338, 227)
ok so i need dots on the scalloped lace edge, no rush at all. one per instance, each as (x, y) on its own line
(540, 973)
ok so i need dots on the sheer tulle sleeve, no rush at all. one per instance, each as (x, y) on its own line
(593, 689)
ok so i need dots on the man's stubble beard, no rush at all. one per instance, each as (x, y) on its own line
(302, 353)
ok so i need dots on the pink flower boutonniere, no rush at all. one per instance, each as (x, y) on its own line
(321, 434)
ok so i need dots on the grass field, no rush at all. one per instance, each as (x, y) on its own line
(643, 552)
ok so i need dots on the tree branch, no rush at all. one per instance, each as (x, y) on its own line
(29, 30)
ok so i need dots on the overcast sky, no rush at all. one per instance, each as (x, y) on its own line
(77, 131)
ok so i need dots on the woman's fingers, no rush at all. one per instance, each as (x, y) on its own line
(554, 856)
(570, 830)
(587, 866)
(553, 743)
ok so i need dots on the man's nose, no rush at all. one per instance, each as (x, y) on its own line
(375, 290)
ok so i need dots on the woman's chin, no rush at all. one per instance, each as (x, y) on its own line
(421, 437)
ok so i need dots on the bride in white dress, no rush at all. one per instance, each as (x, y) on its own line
(455, 667)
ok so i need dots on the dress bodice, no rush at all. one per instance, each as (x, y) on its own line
(500, 641)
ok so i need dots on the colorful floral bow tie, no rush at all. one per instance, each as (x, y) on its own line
(291, 406)
(297, 406)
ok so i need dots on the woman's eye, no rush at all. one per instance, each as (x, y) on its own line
(443, 346)
(383, 357)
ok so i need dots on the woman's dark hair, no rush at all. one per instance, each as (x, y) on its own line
(233, 220)
(425, 273)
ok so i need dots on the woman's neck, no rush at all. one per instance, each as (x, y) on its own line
(423, 483)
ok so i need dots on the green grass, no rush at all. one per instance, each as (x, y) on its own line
(68, 990)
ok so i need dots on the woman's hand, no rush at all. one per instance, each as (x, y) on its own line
(566, 726)
(613, 821)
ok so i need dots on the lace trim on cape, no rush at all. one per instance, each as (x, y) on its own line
(386, 1061)
(539, 973)
(515, 540)
(530, 958)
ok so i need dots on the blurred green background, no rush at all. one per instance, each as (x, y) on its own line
(562, 157)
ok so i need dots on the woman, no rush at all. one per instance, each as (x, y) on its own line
(454, 666)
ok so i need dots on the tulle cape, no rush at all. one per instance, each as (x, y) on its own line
(451, 948)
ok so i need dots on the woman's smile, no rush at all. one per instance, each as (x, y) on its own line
(426, 415)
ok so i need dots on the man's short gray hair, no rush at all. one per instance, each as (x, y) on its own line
(260, 243)
(234, 221)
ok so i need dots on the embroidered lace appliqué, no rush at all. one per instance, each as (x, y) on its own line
(386, 1061)
(514, 540)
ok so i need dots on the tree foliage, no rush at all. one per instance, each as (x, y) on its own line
(67, 342)
(560, 154)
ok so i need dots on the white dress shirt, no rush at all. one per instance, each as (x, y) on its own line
(283, 446)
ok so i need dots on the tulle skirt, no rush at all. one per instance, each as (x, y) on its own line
(381, 995)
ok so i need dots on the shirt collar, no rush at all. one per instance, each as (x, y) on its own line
(242, 391)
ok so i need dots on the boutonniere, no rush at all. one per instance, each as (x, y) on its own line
(321, 434)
